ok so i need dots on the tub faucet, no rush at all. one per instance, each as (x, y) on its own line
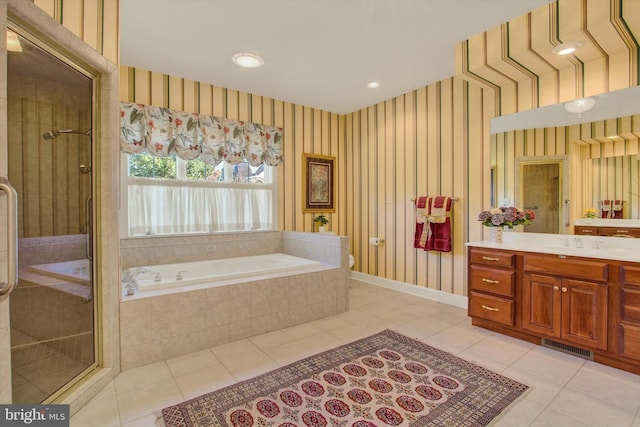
(130, 278)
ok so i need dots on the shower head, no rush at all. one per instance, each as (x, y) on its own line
(52, 134)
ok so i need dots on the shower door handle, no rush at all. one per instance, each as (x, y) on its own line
(87, 248)
(12, 238)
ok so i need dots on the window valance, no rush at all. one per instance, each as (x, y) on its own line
(161, 132)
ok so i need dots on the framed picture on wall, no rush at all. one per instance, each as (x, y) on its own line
(319, 189)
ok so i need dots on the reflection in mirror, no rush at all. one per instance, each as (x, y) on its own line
(542, 189)
(602, 155)
(615, 178)
(494, 188)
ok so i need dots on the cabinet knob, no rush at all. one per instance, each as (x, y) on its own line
(489, 280)
(556, 288)
(564, 289)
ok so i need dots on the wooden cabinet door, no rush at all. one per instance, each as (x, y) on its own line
(584, 313)
(542, 304)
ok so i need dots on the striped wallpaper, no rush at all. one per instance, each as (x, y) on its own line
(94, 21)
(433, 140)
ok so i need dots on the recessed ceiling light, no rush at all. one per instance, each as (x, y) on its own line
(247, 60)
(373, 85)
(566, 48)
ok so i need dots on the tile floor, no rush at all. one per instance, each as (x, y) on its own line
(565, 390)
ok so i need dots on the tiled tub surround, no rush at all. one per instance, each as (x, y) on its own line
(44, 250)
(175, 322)
(41, 297)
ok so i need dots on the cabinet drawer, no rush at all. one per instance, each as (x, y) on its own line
(619, 231)
(587, 231)
(630, 304)
(492, 308)
(592, 270)
(492, 280)
(494, 258)
(630, 275)
(630, 341)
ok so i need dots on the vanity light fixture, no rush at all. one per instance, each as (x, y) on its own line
(13, 42)
(580, 105)
(373, 85)
(566, 48)
(247, 60)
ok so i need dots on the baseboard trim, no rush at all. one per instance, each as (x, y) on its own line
(443, 297)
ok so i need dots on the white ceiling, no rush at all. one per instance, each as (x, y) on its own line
(318, 53)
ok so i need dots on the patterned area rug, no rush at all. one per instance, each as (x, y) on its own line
(387, 379)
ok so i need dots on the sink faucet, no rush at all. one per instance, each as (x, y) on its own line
(579, 243)
(130, 278)
(565, 241)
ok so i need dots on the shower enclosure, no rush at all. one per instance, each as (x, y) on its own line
(52, 308)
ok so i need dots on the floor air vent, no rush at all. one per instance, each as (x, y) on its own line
(569, 349)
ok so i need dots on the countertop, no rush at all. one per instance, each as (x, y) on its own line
(606, 222)
(612, 248)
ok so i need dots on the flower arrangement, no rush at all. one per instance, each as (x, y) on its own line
(509, 216)
(589, 212)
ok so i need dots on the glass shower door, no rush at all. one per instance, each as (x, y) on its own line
(50, 156)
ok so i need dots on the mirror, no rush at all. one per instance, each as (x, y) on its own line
(600, 166)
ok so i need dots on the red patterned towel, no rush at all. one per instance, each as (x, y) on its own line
(611, 208)
(422, 226)
(440, 238)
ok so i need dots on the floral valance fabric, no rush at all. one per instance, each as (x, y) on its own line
(161, 132)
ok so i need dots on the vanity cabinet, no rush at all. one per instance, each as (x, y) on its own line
(606, 231)
(567, 309)
(491, 286)
(585, 303)
(558, 304)
(629, 317)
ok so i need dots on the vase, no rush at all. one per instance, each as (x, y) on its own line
(321, 229)
(496, 234)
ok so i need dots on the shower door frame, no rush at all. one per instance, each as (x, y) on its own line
(90, 229)
(45, 31)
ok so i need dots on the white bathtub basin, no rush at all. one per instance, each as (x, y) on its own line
(77, 271)
(183, 274)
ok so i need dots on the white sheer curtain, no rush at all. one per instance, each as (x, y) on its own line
(158, 206)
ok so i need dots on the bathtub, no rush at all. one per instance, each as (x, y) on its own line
(221, 271)
(76, 271)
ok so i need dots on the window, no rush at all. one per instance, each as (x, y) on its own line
(168, 195)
